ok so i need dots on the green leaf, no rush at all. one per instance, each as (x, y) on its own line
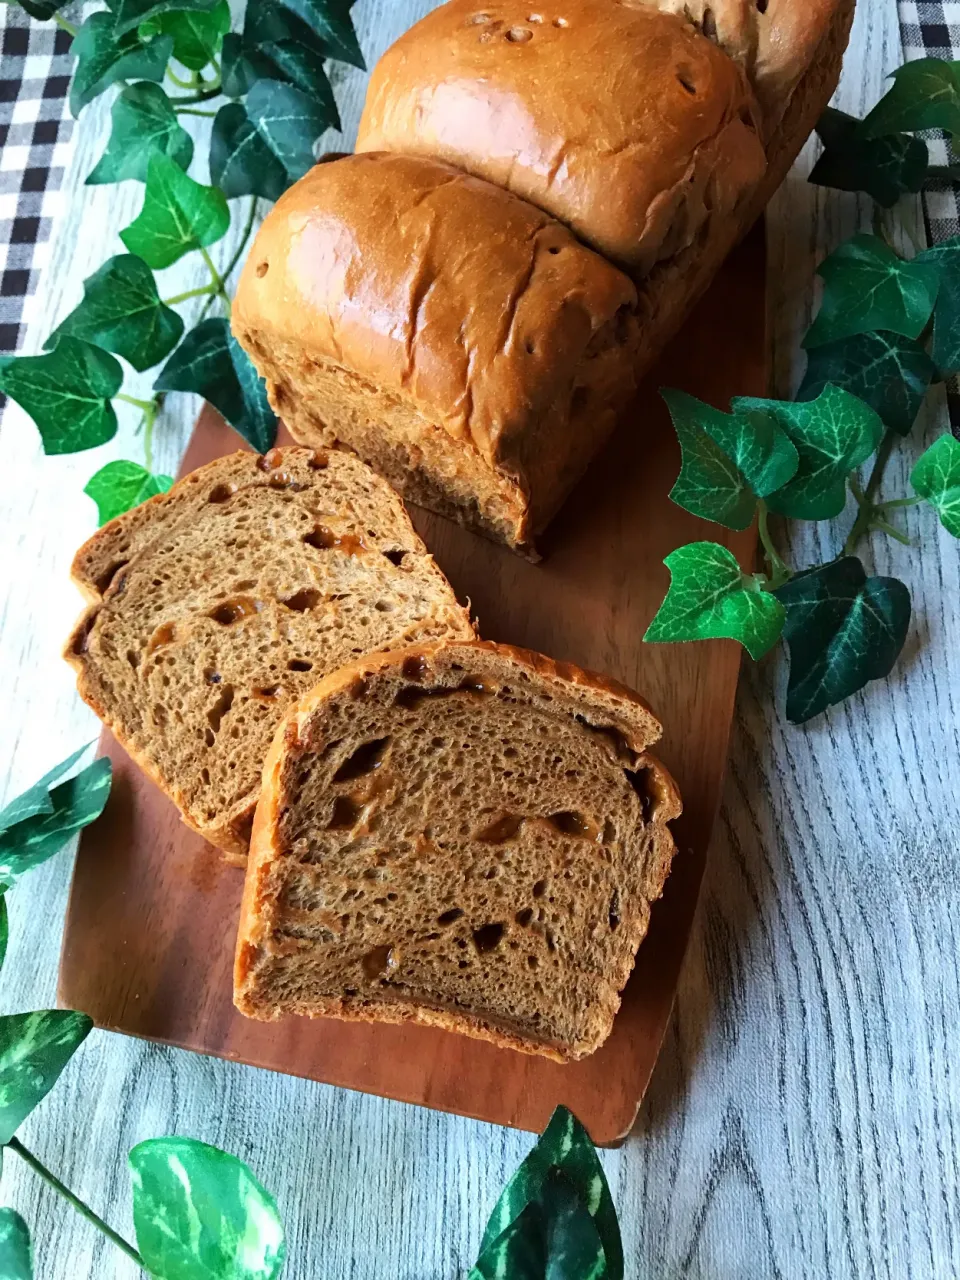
(121, 311)
(130, 13)
(200, 1214)
(885, 167)
(519, 1252)
(925, 95)
(728, 460)
(74, 805)
(144, 122)
(833, 434)
(212, 363)
(888, 372)
(867, 287)
(42, 9)
(67, 393)
(36, 799)
(104, 56)
(121, 485)
(936, 478)
(4, 939)
(178, 215)
(241, 163)
(289, 121)
(554, 1238)
(843, 630)
(945, 348)
(34, 1049)
(301, 64)
(331, 20)
(196, 33)
(237, 72)
(563, 1146)
(711, 598)
(16, 1253)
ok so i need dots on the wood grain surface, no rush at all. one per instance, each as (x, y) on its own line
(803, 1122)
(164, 970)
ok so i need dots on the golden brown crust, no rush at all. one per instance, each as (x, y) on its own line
(259, 910)
(621, 121)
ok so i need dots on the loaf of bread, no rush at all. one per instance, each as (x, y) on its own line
(460, 340)
(217, 605)
(620, 120)
(465, 835)
(416, 319)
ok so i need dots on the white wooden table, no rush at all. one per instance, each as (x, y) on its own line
(804, 1119)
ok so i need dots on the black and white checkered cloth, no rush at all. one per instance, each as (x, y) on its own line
(36, 128)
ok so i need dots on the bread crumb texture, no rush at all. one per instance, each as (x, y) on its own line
(465, 835)
(217, 605)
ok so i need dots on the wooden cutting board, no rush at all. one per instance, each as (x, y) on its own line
(148, 945)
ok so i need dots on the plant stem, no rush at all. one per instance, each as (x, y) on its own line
(150, 410)
(898, 503)
(64, 25)
(244, 237)
(882, 526)
(189, 293)
(218, 285)
(865, 501)
(203, 96)
(145, 405)
(779, 572)
(15, 1145)
(193, 111)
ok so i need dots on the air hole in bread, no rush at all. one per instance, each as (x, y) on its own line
(133, 658)
(519, 35)
(530, 346)
(320, 538)
(573, 824)
(395, 557)
(378, 961)
(644, 784)
(230, 611)
(488, 936)
(524, 917)
(708, 24)
(220, 708)
(383, 606)
(449, 917)
(221, 492)
(304, 600)
(762, 6)
(502, 829)
(346, 811)
(554, 248)
(532, 962)
(103, 582)
(262, 269)
(367, 758)
(298, 664)
(613, 914)
(687, 83)
(267, 691)
(540, 888)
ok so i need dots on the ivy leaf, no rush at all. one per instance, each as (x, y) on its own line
(945, 348)
(121, 485)
(936, 478)
(925, 95)
(196, 33)
(867, 287)
(178, 215)
(843, 630)
(331, 20)
(36, 799)
(105, 55)
(4, 939)
(200, 1214)
(241, 163)
(144, 122)
(67, 393)
(27, 842)
(212, 363)
(711, 598)
(289, 121)
(34, 1049)
(728, 460)
(121, 311)
(888, 372)
(16, 1253)
(42, 10)
(301, 64)
(886, 167)
(833, 434)
(564, 1147)
(128, 14)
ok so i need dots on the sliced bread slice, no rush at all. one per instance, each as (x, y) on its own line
(217, 605)
(467, 835)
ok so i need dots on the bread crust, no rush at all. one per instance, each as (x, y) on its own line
(624, 122)
(622, 706)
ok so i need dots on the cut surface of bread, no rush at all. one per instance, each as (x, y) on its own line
(466, 835)
(464, 343)
(218, 604)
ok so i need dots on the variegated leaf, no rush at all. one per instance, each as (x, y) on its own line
(34, 1049)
